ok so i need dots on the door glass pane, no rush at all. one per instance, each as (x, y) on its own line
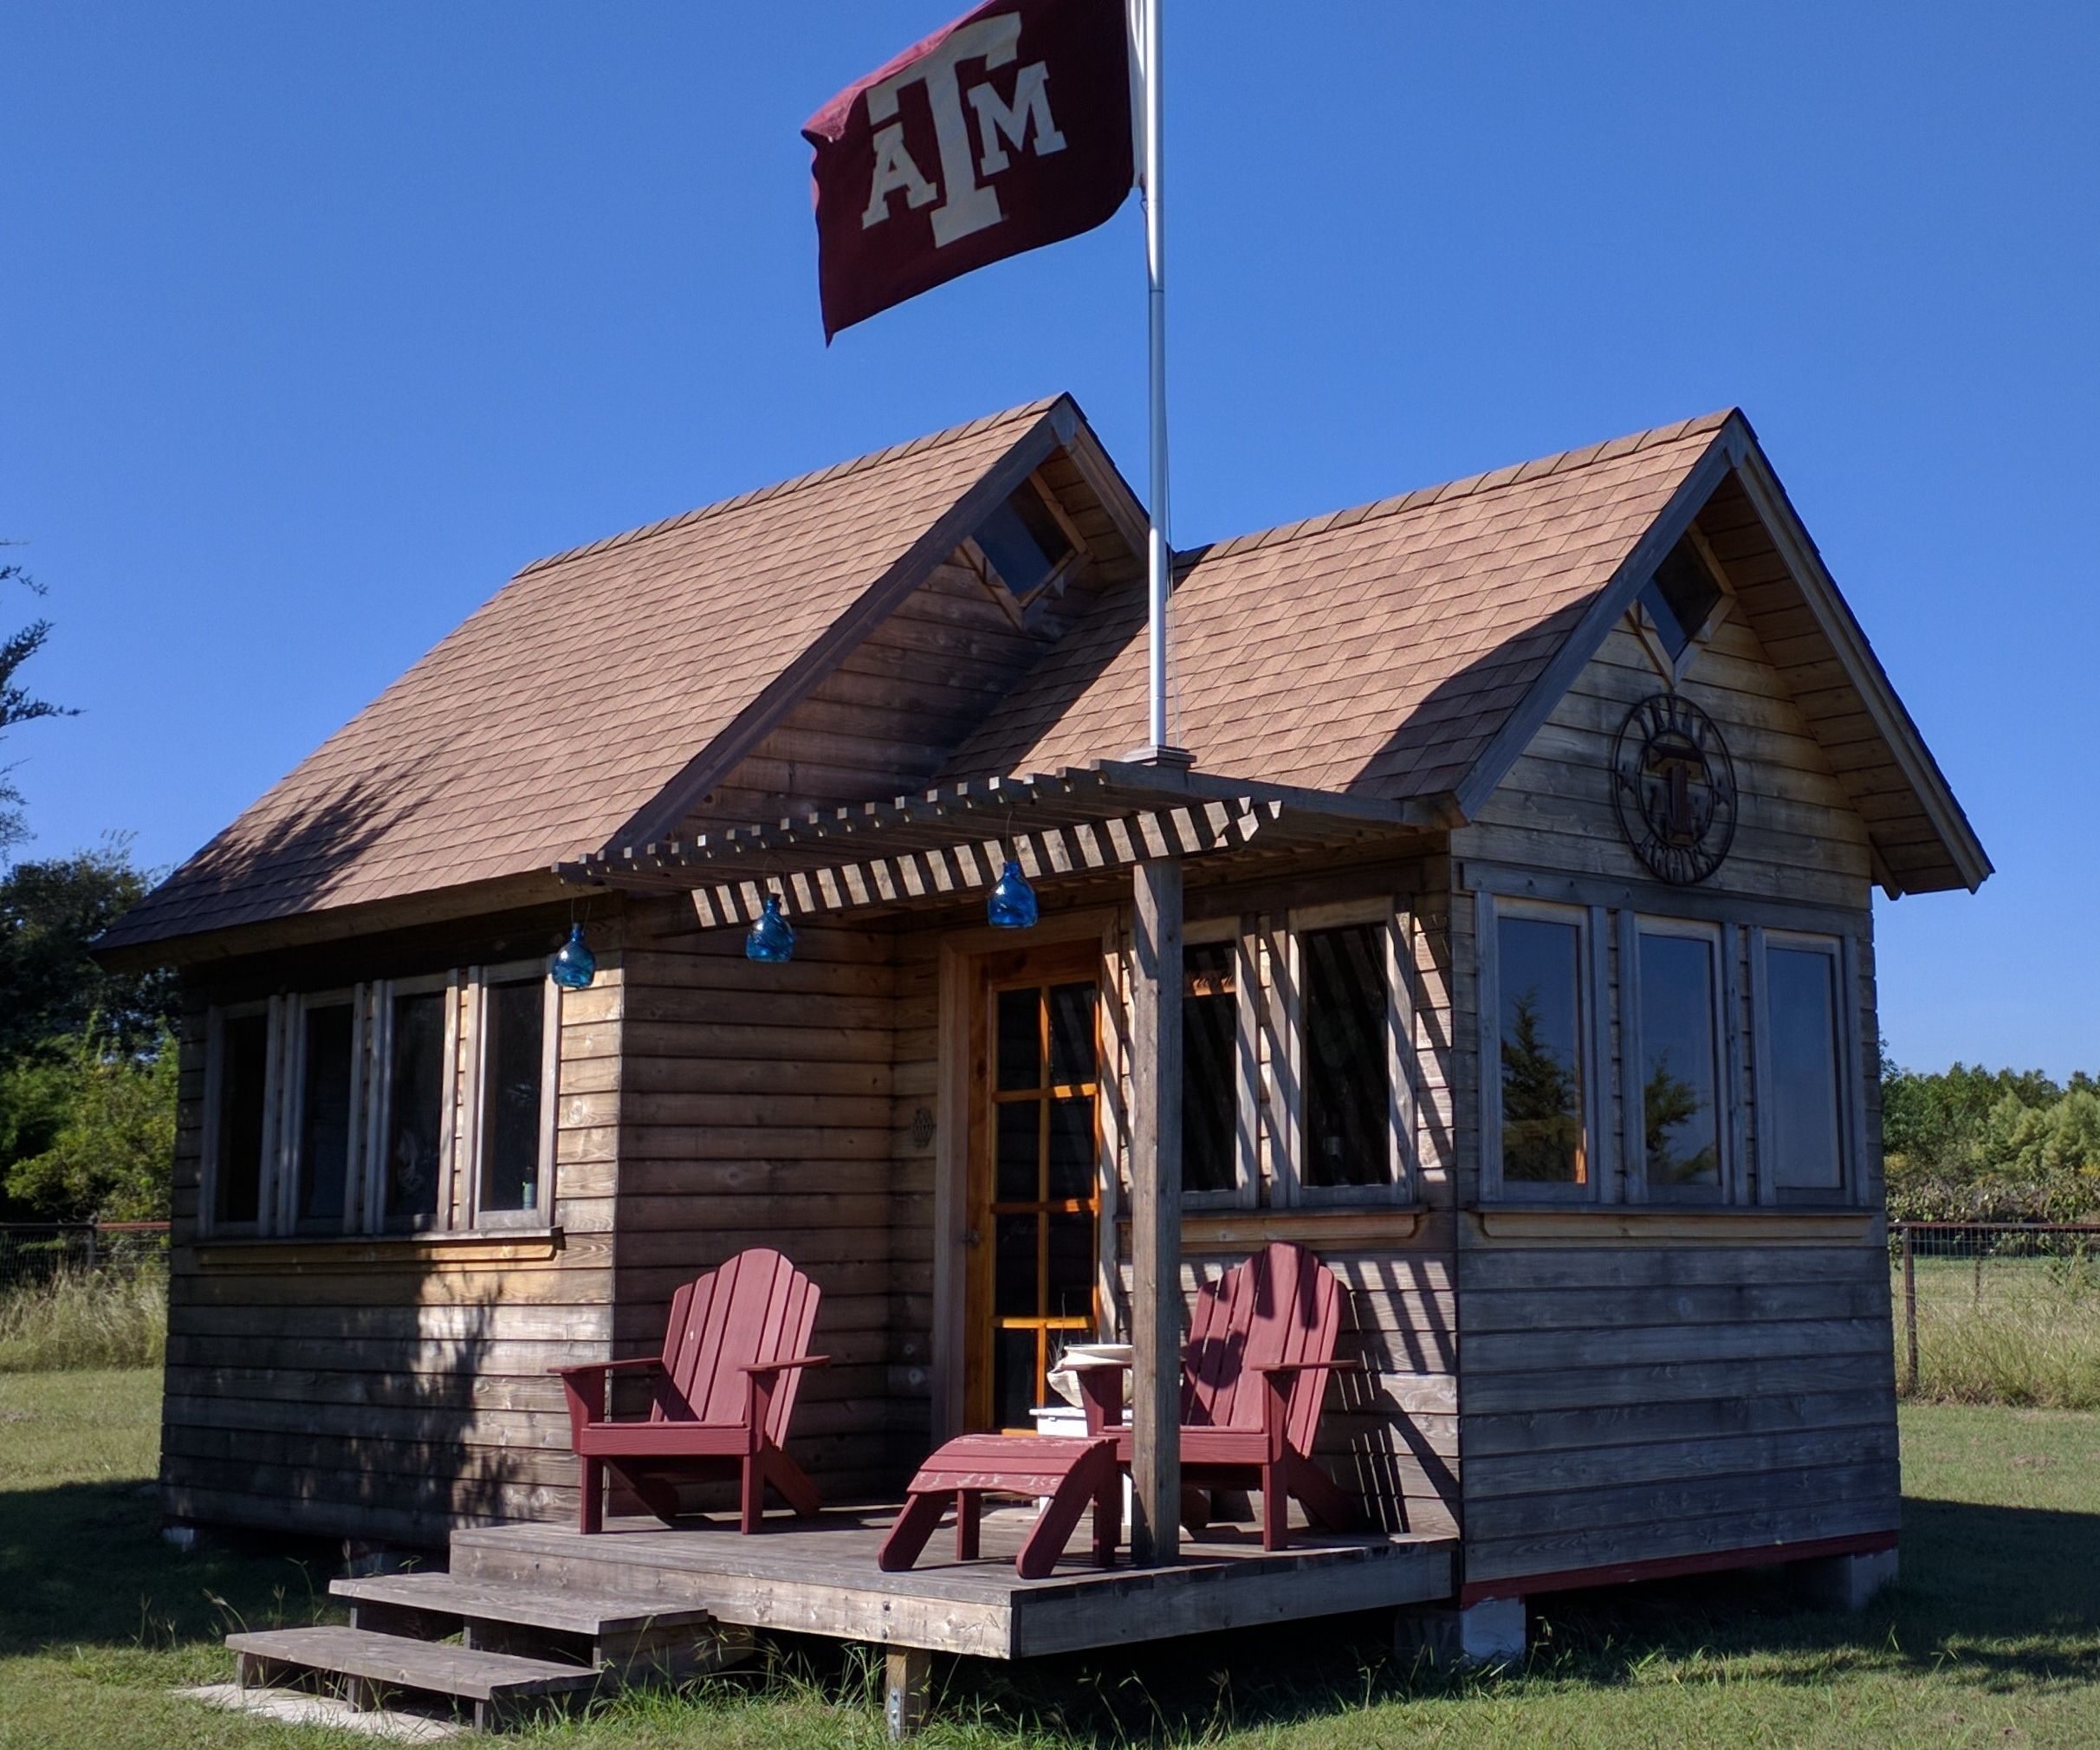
(1800, 1146)
(1018, 1179)
(1072, 1149)
(1072, 1267)
(1071, 1032)
(1542, 1024)
(1014, 1286)
(1014, 1381)
(1210, 1027)
(243, 1069)
(515, 1016)
(1678, 1077)
(415, 1108)
(1021, 1039)
(324, 1115)
(1348, 1100)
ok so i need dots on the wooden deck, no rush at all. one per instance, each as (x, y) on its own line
(820, 1578)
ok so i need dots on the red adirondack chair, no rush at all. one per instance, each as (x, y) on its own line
(1253, 1370)
(723, 1393)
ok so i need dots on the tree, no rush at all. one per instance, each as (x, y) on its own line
(111, 1149)
(50, 988)
(1540, 1133)
(17, 704)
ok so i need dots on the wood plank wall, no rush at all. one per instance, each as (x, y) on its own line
(392, 1389)
(1652, 1394)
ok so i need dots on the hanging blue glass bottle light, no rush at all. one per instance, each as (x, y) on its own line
(772, 939)
(1011, 905)
(574, 966)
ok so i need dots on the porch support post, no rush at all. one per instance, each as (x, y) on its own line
(1156, 1180)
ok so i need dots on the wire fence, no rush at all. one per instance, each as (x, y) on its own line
(1998, 1312)
(33, 1255)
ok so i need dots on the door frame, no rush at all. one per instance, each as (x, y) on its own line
(967, 964)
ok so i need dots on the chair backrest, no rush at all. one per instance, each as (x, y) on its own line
(756, 1308)
(1280, 1304)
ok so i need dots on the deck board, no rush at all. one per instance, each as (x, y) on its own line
(822, 1578)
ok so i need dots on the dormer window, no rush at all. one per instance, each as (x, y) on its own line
(1025, 544)
(1681, 599)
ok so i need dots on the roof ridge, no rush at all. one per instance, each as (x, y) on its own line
(1492, 480)
(759, 494)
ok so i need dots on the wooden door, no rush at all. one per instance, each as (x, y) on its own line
(1035, 1184)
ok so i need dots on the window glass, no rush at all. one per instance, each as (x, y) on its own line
(1800, 1131)
(415, 1109)
(244, 1070)
(1210, 1105)
(325, 1104)
(1678, 1073)
(1679, 596)
(1024, 541)
(514, 1019)
(1348, 1096)
(1539, 962)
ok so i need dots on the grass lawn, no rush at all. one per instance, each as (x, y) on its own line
(1994, 1638)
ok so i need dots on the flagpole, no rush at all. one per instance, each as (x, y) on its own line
(1157, 551)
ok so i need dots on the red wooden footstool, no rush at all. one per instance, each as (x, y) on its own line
(1072, 1473)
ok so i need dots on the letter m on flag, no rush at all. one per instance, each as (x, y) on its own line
(1008, 130)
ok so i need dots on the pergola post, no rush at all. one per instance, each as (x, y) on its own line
(1156, 1180)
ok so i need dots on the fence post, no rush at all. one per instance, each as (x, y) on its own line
(1910, 1315)
(94, 1246)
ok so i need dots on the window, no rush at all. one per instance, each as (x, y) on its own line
(326, 1057)
(1673, 1045)
(413, 1133)
(1800, 1042)
(240, 1117)
(1681, 599)
(1348, 1089)
(515, 1136)
(1025, 544)
(332, 1111)
(1210, 1072)
(1540, 1068)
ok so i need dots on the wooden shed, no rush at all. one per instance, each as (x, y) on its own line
(1515, 886)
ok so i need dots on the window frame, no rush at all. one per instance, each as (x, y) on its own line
(379, 1105)
(210, 1164)
(1844, 953)
(471, 1154)
(1592, 1025)
(1396, 925)
(291, 1055)
(1244, 1192)
(1719, 938)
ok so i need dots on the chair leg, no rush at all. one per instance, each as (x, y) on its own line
(969, 1503)
(1325, 1500)
(791, 1481)
(1108, 1518)
(1079, 1488)
(751, 1492)
(591, 1487)
(908, 1536)
(1275, 1509)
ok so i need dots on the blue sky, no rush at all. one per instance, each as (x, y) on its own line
(317, 321)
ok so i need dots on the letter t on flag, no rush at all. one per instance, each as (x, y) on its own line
(1008, 130)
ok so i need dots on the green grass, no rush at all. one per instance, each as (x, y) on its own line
(78, 1320)
(2023, 1332)
(1994, 1638)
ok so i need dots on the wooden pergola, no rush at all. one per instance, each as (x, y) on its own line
(1082, 823)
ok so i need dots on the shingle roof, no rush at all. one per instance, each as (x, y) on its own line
(1376, 650)
(571, 698)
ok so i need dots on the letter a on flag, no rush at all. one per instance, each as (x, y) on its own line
(1008, 130)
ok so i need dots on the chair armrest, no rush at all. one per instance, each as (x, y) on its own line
(781, 1366)
(1337, 1366)
(583, 1367)
(585, 1383)
(1100, 1384)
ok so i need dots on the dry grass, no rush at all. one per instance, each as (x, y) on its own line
(2019, 1332)
(76, 1320)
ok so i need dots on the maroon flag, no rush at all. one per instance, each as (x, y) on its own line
(1007, 130)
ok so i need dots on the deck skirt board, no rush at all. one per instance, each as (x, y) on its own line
(823, 1580)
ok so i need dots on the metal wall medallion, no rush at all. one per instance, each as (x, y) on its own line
(1674, 786)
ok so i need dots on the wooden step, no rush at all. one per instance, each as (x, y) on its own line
(497, 1601)
(500, 1686)
(630, 1637)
